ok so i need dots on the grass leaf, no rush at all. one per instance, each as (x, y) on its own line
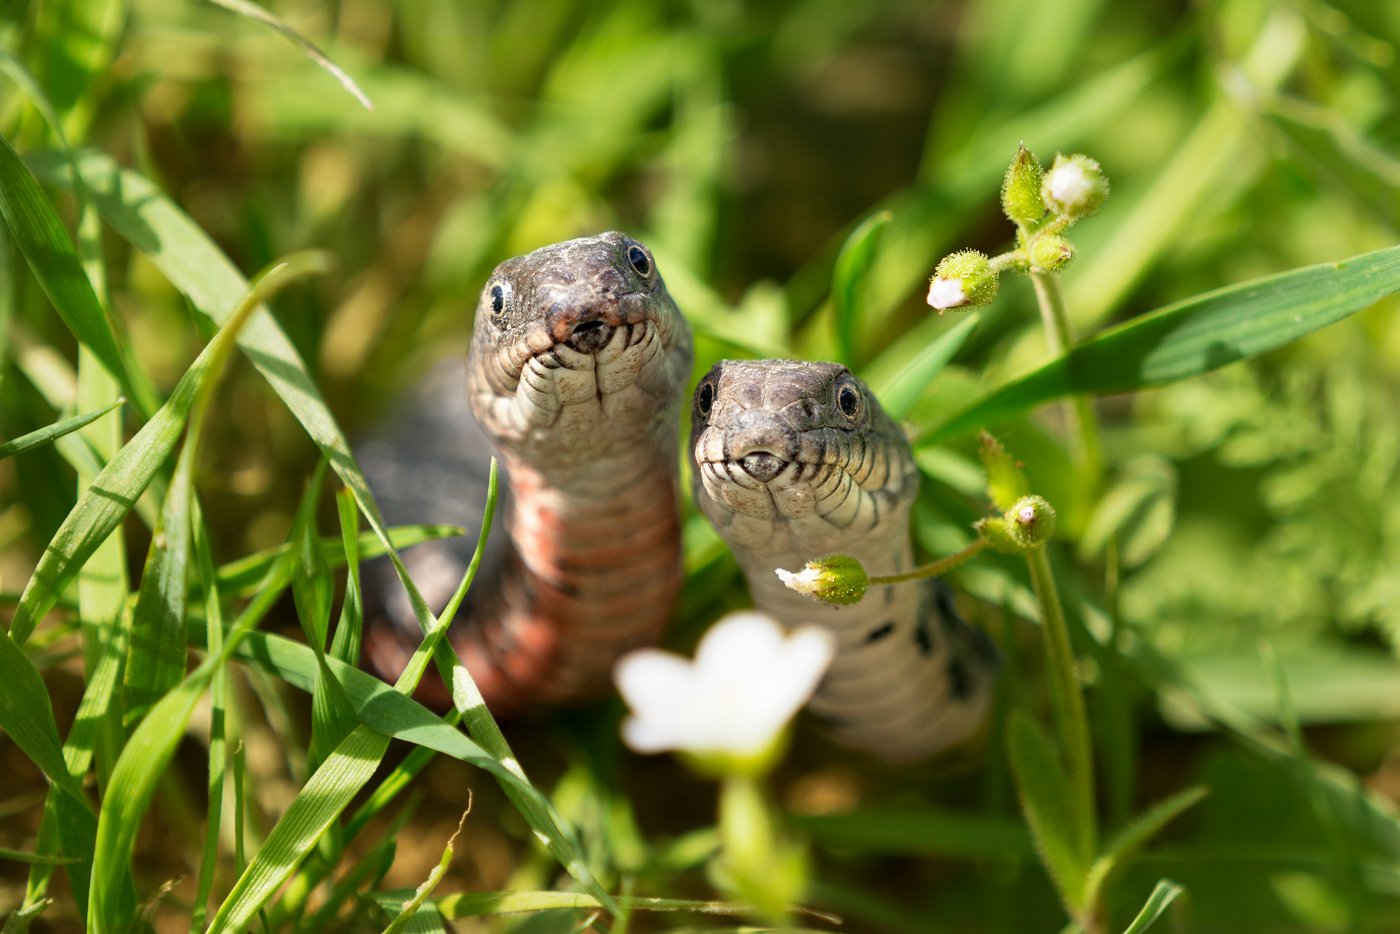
(1048, 803)
(1195, 336)
(258, 14)
(1163, 894)
(900, 390)
(46, 246)
(237, 577)
(52, 432)
(144, 759)
(1132, 838)
(848, 278)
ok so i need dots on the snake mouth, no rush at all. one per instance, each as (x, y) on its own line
(761, 465)
(590, 337)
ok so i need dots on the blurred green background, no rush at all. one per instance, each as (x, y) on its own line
(1254, 506)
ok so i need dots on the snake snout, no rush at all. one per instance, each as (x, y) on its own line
(761, 444)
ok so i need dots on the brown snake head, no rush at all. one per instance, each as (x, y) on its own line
(798, 458)
(576, 346)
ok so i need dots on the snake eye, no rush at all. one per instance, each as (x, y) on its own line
(640, 261)
(705, 398)
(498, 304)
(849, 399)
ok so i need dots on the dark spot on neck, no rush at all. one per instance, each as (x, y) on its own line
(879, 632)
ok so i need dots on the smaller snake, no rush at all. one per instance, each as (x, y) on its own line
(578, 362)
(795, 461)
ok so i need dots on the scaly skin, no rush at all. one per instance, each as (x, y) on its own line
(796, 461)
(578, 361)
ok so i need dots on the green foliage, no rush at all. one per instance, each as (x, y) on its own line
(799, 169)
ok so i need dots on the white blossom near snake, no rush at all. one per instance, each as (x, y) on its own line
(578, 362)
(796, 461)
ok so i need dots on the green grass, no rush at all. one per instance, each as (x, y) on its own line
(179, 697)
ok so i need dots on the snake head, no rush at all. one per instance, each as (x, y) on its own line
(575, 343)
(797, 447)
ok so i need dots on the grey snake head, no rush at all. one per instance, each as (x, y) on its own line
(574, 344)
(798, 458)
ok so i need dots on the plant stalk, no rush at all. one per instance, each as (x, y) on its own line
(933, 568)
(1059, 332)
(1066, 700)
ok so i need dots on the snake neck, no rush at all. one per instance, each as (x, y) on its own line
(594, 570)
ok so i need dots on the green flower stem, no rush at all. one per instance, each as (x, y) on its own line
(933, 568)
(1060, 333)
(750, 850)
(1068, 703)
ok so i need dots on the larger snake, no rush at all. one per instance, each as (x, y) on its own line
(578, 361)
(795, 461)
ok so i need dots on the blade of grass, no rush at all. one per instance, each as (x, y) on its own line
(45, 245)
(345, 644)
(1045, 795)
(1195, 336)
(156, 655)
(218, 729)
(900, 390)
(1163, 894)
(1329, 147)
(1128, 841)
(145, 758)
(238, 577)
(410, 906)
(154, 741)
(258, 14)
(331, 717)
(848, 280)
(476, 904)
(52, 432)
(339, 778)
(115, 489)
(19, 856)
(78, 40)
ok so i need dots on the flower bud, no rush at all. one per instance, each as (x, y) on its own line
(1049, 254)
(839, 580)
(1030, 521)
(962, 279)
(1020, 189)
(1075, 186)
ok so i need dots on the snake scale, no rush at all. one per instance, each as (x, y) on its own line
(578, 362)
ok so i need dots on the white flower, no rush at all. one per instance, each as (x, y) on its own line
(1075, 186)
(947, 293)
(747, 681)
(1068, 184)
(804, 581)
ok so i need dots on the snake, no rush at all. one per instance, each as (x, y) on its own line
(795, 461)
(575, 375)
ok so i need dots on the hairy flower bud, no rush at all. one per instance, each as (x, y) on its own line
(1020, 189)
(839, 580)
(1075, 186)
(1049, 254)
(962, 279)
(1030, 521)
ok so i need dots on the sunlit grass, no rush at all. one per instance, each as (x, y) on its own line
(799, 170)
